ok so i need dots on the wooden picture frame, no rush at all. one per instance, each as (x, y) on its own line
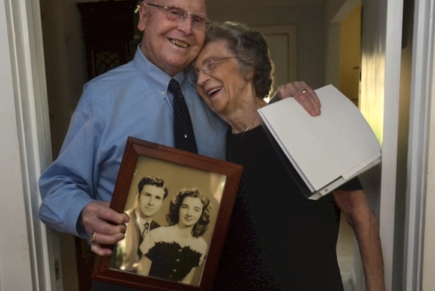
(181, 172)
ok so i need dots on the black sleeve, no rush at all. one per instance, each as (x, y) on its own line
(352, 185)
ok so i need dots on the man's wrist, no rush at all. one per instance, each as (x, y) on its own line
(80, 228)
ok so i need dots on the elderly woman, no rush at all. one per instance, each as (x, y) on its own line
(173, 252)
(277, 239)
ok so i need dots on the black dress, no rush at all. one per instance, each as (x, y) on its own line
(277, 239)
(171, 259)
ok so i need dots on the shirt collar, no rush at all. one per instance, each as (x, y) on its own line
(153, 74)
(140, 220)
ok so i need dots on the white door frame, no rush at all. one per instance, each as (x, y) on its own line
(380, 87)
(420, 114)
(22, 22)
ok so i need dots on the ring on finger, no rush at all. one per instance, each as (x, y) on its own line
(304, 91)
(92, 237)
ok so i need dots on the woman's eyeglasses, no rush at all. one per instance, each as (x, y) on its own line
(207, 67)
(179, 15)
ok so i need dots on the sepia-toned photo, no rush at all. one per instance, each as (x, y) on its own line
(172, 212)
(176, 202)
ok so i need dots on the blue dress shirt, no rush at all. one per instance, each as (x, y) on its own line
(131, 100)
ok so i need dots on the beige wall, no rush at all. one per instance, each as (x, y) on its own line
(332, 8)
(350, 54)
(310, 23)
(15, 252)
(65, 63)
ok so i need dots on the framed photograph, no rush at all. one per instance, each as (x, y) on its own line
(180, 205)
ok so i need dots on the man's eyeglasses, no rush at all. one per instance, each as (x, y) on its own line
(179, 15)
(207, 67)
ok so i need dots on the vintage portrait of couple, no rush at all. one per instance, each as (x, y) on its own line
(172, 210)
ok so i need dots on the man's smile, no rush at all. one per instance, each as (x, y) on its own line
(179, 43)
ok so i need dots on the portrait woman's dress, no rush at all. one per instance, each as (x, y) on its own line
(172, 256)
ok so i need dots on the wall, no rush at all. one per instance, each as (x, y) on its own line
(14, 240)
(336, 12)
(350, 54)
(309, 20)
(332, 9)
(65, 63)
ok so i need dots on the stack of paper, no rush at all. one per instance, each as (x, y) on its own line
(327, 150)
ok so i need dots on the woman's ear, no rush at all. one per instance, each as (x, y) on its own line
(249, 75)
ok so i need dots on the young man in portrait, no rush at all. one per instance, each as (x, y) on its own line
(149, 199)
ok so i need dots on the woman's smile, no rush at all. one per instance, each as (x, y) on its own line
(212, 91)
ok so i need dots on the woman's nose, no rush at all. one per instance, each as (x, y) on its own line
(202, 78)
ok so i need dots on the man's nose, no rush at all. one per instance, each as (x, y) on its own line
(186, 25)
(151, 201)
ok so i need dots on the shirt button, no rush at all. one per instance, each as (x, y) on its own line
(163, 93)
(178, 260)
(175, 270)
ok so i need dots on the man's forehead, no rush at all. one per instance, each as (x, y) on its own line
(152, 189)
(192, 6)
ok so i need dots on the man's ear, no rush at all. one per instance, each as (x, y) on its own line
(143, 13)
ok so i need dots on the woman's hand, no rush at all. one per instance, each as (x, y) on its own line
(303, 94)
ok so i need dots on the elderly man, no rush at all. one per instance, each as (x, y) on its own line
(151, 193)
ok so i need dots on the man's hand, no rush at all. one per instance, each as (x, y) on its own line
(303, 94)
(104, 226)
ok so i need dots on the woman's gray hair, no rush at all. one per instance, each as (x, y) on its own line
(251, 50)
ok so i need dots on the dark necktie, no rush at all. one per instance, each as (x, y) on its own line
(184, 138)
(146, 228)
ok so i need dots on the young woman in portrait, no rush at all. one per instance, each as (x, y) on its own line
(175, 251)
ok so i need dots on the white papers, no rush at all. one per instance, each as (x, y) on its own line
(338, 144)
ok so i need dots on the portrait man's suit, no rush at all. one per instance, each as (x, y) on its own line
(132, 241)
